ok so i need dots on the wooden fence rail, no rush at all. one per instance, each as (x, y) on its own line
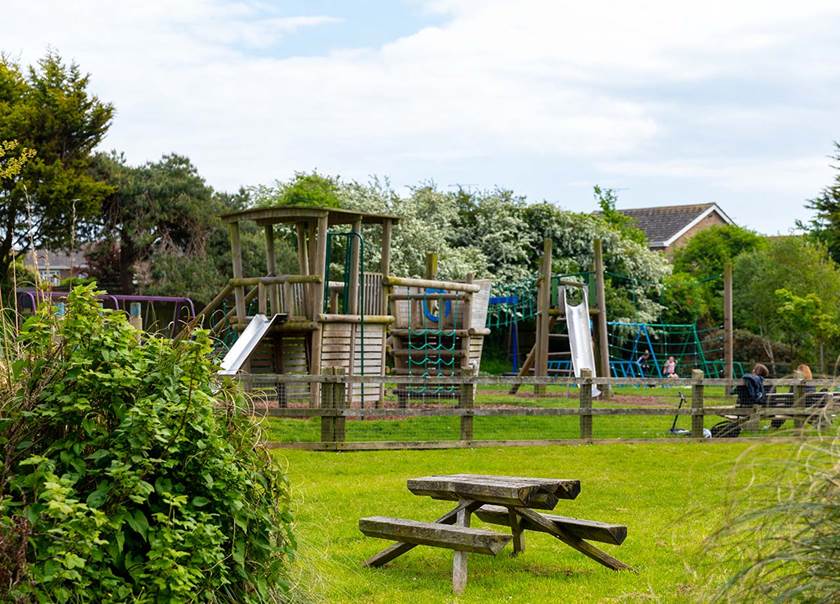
(334, 411)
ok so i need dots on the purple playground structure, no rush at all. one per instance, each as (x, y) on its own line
(142, 308)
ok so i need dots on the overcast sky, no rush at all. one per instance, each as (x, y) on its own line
(731, 101)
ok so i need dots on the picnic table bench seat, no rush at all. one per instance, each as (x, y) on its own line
(582, 529)
(460, 538)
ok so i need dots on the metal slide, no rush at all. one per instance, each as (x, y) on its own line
(580, 336)
(245, 344)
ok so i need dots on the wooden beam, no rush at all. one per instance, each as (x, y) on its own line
(459, 558)
(492, 489)
(355, 267)
(583, 529)
(543, 304)
(697, 403)
(577, 543)
(398, 549)
(459, 538)
(236, 255)
(317, 308)
(448, 285)
(603, 334)
(728, 332)
(271, 267)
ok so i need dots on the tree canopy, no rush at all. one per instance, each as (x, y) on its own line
(825, 225)
(49, 110)
(772, 280)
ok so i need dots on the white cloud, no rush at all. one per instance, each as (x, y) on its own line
(623, 89)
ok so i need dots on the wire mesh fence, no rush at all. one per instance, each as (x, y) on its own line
(484, 413)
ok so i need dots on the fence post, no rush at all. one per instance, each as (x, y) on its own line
(334, 396)
(327, 402)
(585, 385)
(799, 399)
(340, 402)
(467, 402)
(697, 403)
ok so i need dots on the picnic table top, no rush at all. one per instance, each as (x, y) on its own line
(512, 491)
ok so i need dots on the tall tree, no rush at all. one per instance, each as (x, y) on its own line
(49, 109)
(162, 206)
(703, 259)
(825, 225)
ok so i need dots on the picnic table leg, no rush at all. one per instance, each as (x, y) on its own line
(459, 559)
(516, 531)
(398, 549)
(585, 548)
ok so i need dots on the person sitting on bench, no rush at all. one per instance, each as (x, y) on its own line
(753, 392)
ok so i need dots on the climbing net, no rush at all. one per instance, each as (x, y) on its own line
(512, 303)
(691, 347)
(432, 341)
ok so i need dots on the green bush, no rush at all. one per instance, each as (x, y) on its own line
(129, 473)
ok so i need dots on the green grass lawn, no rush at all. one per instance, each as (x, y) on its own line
(670, 496)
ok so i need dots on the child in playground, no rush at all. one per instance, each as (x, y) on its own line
(643, 364)
(671, 368)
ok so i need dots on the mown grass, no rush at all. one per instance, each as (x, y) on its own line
(670, 496)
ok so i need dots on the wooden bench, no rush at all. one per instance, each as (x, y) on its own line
(459, 538)
(582, 529)
(501, 500)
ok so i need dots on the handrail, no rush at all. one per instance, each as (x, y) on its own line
(211, 306)
(274, 280)
(447, 285)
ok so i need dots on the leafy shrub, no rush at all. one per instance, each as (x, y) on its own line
(128, 474)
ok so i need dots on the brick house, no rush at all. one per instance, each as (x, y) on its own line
(55, 265)
(670, 227)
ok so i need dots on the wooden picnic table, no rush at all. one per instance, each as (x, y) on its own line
(510, 501)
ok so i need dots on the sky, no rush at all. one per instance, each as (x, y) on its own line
(734, 102)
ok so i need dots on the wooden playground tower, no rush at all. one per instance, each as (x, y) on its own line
(549, 318)
(313, 325)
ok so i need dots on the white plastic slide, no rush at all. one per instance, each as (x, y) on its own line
(245, 344)
(580, 336)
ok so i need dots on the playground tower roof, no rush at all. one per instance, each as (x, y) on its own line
(285, 214)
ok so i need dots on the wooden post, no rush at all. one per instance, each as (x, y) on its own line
(517, 532)
(262, 299)
(317, 307)
(728, 334)
(236, 254)
(355, 265)
(603, 334)
(467, 402)
(385, 263)
(340, 401)
(302, 248)
(271, 268)
(328, 402)
(585, 387)
(543, 304)
(459, 559)
(697, 403)
(431, 265)
(799, 399)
